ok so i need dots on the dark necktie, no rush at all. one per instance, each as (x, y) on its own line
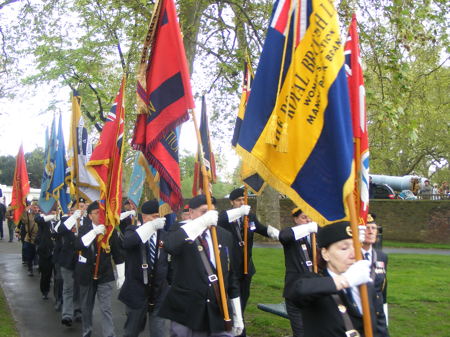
(151, 251)
(366, 256)
(204, 244)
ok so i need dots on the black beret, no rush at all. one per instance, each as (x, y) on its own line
(126, 202)
(200, 200)
(296, 212)
(236, 193)
(150, 207)
(81, 199)
(333, 233)
(92, 207)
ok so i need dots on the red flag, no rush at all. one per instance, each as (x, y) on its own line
(106, 166)
(357, 94)
(21, 186)
(208, 155)
(164, 92)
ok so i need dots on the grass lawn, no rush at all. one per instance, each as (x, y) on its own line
(7, 327)
(396, 244)
(418, 295)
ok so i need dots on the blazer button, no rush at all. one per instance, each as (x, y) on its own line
(209, 284)
(208, 300)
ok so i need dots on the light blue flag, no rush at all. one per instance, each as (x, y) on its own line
(46, 200)
(61, 175)
(137, 180)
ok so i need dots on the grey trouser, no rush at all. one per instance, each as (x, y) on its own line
(135, 323)
(179, 330)
(87, 297)
(71, 298)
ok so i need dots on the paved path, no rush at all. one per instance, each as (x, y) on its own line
(36, 317)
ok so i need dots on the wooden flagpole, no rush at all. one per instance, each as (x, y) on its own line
(223, 296)
(314, 251)
(245, 232)
(358, 255)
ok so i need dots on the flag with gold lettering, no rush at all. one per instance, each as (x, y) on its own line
(20, 186)
(296, 132)
(357, 94)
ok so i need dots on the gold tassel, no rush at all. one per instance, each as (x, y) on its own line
(283, 144)
(272, 130)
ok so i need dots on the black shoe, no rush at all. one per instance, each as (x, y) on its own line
(67, 322)
(77, 316)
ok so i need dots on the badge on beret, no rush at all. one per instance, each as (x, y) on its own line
(342, 308)
(348, 229)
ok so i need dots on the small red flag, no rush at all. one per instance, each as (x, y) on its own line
(21, 186)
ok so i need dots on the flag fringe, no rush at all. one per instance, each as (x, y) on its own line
(284, 188)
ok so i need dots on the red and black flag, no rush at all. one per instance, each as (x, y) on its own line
(208, 155)
(164, 98)
(106, 166)
(164, 92)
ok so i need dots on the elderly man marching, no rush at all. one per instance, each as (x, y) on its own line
(193, 301)
(378, 266)
(146, 271)
(102, 286)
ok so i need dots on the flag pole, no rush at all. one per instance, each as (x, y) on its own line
(314, 251)
(223, 296)
(245, 232)
(75, 158)
(358, 255)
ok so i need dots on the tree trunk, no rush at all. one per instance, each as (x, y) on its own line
(268, 207)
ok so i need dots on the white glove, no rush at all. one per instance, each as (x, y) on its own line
(49, 217)
(236, 213)
(99, 229)
(146, 230)
(386, 313)
(197, 226)
(273, 232)
(126, 214)
(358, 273)
(120, 269)
(238, 322)
(362, 233)
(300, 231)
(72, 220)
(92, 234)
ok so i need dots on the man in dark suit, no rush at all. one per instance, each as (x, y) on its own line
(378, 267)
(330, 302)
(145, 274)
(192, 303)
(297, 259)
(101, 287)
(68, 232)
(233, 221)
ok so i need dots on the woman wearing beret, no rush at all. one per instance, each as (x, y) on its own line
(330, 301)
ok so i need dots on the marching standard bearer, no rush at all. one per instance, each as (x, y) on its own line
(102, 287)
(193, 301)
(145, 274)
(233, 221)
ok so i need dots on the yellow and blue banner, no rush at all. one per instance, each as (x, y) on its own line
(297, 131)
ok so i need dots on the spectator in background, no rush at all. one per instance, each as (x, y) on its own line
(444, 189)
(435, 192)
(426, 191)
